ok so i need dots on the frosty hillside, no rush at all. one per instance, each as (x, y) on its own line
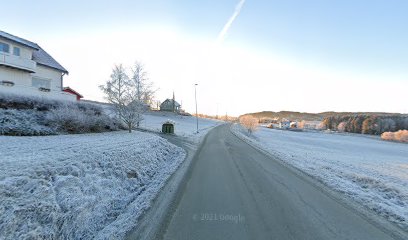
(82, 186)
(86, 185)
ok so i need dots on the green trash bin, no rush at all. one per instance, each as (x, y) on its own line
(168, 128)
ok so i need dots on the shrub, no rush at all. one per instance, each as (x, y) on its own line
(75, 118)
(23, 123)
(400, 136)
(20, 102)
(30, 116)
(249, 122)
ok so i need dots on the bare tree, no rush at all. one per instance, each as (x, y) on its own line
(249, 122)
(301, 124)
(321, 126)
(342, 127)
(120, 92)
(143, 88)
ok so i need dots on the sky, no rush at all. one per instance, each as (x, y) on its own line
(245, 55)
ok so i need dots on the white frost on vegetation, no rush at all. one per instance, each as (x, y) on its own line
(80, 186)
(185, 126)
(23, 122)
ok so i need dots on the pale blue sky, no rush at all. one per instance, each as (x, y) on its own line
(364, 40)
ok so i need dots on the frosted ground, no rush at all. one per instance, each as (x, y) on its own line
(88, 185)
(185, 126)
(80, 186)
(371, 171)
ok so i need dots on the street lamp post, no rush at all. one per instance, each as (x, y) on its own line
(195, 95)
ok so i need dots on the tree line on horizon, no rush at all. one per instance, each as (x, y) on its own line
(299, 116)
(366, 124)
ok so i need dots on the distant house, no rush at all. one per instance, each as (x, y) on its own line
(170, 105)
(26, 68)
(272, 125)
(72, 91)
(284, 124)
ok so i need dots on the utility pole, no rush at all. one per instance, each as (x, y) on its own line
(216, 116)
(174, 103)
(195, 95)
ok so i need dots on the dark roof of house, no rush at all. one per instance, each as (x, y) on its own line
(19, 40)
(168, 100)
(39, 55)
(43, 58)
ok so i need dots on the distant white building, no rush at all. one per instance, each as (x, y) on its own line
(284, 124)
(26, 68)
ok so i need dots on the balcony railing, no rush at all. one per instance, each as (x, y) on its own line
(17, 62)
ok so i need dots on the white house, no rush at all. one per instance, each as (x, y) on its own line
(26, 68)
(284, 124)
(293, 124)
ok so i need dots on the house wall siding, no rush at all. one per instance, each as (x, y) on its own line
(23, 83)
(50, 74)
(25, 52)
(20, 78)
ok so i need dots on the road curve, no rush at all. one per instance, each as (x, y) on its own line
(236, 192)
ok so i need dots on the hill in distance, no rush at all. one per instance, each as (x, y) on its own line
(298, 116)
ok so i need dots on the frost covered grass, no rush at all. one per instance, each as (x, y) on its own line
(185, 126)
(372, 172)
(80, 186)
(31, 116)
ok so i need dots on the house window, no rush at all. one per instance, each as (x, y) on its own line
(16, 51)
(4, 47)
(41, 83)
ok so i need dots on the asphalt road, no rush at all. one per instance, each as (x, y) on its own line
(236, 192)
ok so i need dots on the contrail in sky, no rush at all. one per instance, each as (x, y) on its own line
(227, 26)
